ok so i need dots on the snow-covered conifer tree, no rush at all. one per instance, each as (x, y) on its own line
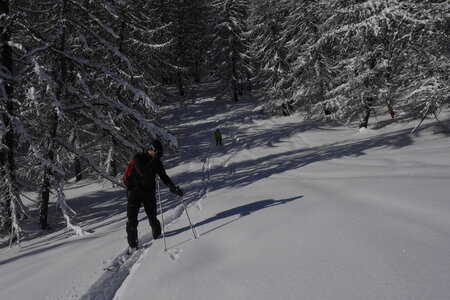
(418, 66)
(353, 56)
(229, 52)
(270, 52)
(200, 20)
(309, 60)
(10, 204)
(80, 93)
(172, 15)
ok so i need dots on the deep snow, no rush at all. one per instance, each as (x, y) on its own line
(286, 209)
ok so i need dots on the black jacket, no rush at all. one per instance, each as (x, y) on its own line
(145, 170)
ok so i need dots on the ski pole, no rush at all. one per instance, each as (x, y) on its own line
(162, 216)
(189, 219)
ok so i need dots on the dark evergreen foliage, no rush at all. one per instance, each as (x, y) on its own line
(81, 81)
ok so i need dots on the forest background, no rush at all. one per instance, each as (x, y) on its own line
(81, 81)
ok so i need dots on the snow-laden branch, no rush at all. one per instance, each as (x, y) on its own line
(154, 47)
(23, 135)
(90, 161)
(149, 32)
(16, 206)
(110, 9)
(67, 212)
(96, 119)
(112, 49)
(153, 130)
(139, 93)
(51, 85)
(45, 161)
(105, 27)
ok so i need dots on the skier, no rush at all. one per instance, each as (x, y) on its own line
(147, 166)
(218, 137)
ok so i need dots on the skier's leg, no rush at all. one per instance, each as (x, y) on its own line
(133, 206)
(151, 211)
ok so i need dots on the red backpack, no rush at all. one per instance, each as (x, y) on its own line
(127, 177)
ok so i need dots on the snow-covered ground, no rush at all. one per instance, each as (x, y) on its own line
(286, 209)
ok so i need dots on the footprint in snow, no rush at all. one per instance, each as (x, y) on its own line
(174, 253)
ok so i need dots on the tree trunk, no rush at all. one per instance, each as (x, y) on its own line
(197, 77)
(7, 154)
(234, 82)
(241, 87)
(249, 83)
(76, 161)
(48, 172)
(45, 198)
(112, 157)
(391, 110)
(235, 90)
(78, 170)
(368, 108)
(369, 87)
(180, 84)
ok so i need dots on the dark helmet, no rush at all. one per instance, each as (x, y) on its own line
(157, 147)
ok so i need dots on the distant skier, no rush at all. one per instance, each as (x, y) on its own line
(218, 137)
(147, 165)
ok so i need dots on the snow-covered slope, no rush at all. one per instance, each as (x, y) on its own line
(285, 210)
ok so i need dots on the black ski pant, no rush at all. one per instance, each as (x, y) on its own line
(135, 199)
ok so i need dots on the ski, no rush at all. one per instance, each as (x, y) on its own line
(126, 259)
(115, 265)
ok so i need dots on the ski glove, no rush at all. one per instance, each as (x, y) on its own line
(176, 190)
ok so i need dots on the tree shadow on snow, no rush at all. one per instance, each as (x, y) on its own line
(93, 211)
(242, 173)
(43, 247)
(96, 208)
(239, 212)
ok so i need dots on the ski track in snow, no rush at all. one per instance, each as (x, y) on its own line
(121, 268)
(110, 284)
(206, 180)
(111, 280)
(347, 210)
(208, 159)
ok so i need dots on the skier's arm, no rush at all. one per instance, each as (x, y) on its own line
(165, 178)
(162, 174)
